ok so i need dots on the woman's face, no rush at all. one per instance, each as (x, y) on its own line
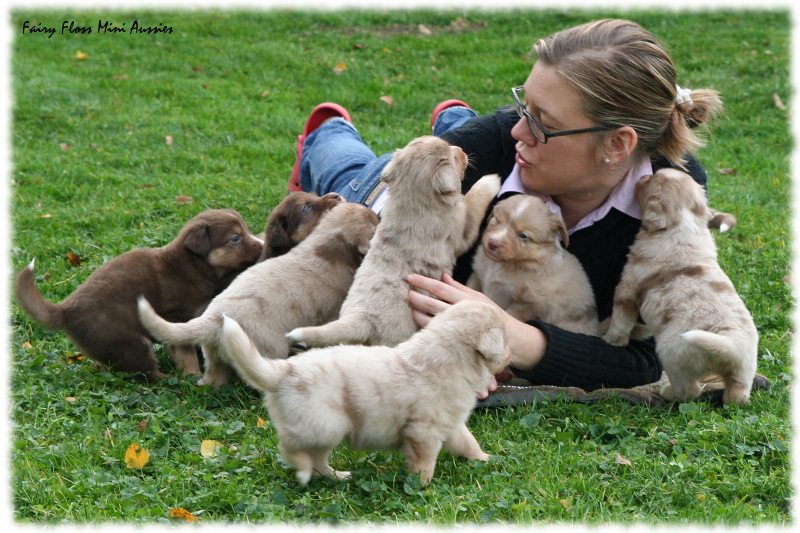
(568, 165)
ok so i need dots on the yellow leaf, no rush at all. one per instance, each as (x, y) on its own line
(80, 56)
(701, 497)
(260, 422)
(183, 200)
(339, 68)
(180, 512)
(388, 100)
(28, 346)
(136, 456)
(566, 503)
(208, 448)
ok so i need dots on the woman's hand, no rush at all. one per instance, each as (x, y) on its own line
(448, 291)
(527, 343)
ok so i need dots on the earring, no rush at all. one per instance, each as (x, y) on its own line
(606, 161)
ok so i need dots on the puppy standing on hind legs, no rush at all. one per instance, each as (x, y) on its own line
(672, 278)
(425, 225)
(415, 397)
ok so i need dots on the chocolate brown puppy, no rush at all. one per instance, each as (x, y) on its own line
(179, 279)
(293, 219)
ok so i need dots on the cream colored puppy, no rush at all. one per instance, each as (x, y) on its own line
(672, 277)
(425, 225)
(415, 397)
(303, 287)
(523, 267)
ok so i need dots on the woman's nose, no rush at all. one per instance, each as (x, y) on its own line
(522, 132)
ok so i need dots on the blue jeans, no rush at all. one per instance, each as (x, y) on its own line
(336, 159)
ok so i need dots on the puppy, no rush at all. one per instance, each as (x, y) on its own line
(672, 278)
(304, 287)
(414, 397)
(293, 219)
(523, 267)
(425, 224)
(179, 279)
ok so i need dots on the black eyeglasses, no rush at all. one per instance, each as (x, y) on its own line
(539, 131)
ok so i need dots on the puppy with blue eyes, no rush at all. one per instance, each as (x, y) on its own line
(523, 267)
(293, 220)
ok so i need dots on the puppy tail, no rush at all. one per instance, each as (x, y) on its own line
(719, 346)
(48, 314)
(262, 374)
(200, 330)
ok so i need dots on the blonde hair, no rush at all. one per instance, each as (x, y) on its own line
(625, 76)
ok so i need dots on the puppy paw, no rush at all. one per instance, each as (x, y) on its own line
(342, 475)
(616, 339)
(490, 183)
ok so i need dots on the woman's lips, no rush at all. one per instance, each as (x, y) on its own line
(521, 161)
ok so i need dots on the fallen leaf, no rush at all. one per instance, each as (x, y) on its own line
(701, 497)
(120, 77)
(778, 103)
(168, 140)
(136, 456)
(198, 69)
(260, 422)
(266, 93)
(80, 56)
(566, 503)
(73, 259)
(70, 399)
(424, 30)
(74, 358)
(358, 46)
(622, 461)
(388, 100)
(726, 171)
(65, 147)
(28, 346)
(46, 216)
(143, 425)
(180, 512)
(208, 448)
(786, 279)
(144, 186)
(339, 68)
(183, 200)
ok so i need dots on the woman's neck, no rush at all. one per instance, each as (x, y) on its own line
(575, 206)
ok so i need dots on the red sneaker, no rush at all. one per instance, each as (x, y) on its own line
(320, 114)
(444, 105)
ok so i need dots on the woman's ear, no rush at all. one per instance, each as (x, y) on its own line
(620, 144)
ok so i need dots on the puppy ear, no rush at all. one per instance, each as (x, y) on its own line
(654, 216)
(446, 179)
(492, 346)
(198, 240)
(388, 173)
(277, 237)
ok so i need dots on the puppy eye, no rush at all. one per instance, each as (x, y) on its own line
(523, 236)
(306, 208)
(235, 239)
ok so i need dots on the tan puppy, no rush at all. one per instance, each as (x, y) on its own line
(425, 225)
(523, 267)
(414, 397)
(672, 278)
(293, 219)
(303, 287)
(179, 279)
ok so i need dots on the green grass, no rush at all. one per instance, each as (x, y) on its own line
(232, 89)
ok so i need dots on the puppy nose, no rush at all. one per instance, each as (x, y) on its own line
(491, 245)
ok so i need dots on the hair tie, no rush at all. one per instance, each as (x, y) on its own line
(683, 96)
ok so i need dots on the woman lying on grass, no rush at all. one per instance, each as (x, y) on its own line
(600, 109)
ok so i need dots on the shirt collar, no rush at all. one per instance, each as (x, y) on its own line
(622, 197)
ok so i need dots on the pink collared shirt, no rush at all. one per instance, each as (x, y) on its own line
(622, 198)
